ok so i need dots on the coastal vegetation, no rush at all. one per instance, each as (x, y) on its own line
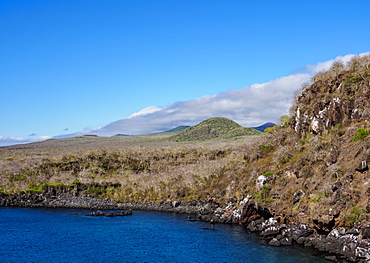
(361, 133)
(314, 163)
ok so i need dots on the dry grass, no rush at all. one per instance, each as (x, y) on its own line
(160, 171)
(156, 170)
(149, 171)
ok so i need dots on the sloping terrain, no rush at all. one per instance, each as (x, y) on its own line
(314, 171)
(337, 96)
(167, 133)
(214, 128)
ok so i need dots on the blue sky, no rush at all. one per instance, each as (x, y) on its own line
(68, 67)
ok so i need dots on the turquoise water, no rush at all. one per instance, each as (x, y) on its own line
(57, 235)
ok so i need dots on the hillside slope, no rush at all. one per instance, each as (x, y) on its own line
(311, 174)
(337, 96)
(321, 162)
(214, 128)
(167, 133)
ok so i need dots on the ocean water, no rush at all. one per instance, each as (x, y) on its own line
(58, 235)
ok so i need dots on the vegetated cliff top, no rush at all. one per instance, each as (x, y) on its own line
(214, 128)
(321, 160)
(339, 95)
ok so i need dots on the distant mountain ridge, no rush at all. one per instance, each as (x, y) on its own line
(262, 127)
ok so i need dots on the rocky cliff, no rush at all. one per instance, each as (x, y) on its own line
(337, 96)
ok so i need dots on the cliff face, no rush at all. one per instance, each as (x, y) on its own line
(337, 96)
(324, 171)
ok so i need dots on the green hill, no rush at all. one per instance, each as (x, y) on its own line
(218, 127)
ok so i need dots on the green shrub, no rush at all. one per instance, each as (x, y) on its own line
(354, 216)
(266, 148)
(33, 190)
(76, 182)
(317, 198)
(18, 177)
(353, 80)
(284, 121)
(39, 187)
(308, 137)
(96, 190)
(2, 190)
(268, 129)
(264, 195)
(49, 184)
(361, 133)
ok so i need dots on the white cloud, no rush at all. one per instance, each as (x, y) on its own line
(313, 69)
(5, 141)
(145, 111)
(249, 106)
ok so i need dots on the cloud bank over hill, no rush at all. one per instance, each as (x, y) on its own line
(249, 106)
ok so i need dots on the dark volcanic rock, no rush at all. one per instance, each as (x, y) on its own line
(274, 242)
(271, 231)
(362, 167)
(324, 223)
(366, 232)
(346, 245)
(111, 214)
(49, 200)
(297, 196)
(298, 231)
(336, 186)
(286, 241)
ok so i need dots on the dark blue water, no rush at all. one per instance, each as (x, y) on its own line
(56, 235)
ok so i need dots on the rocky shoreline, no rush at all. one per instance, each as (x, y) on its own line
(340, 245)
(64, 200)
